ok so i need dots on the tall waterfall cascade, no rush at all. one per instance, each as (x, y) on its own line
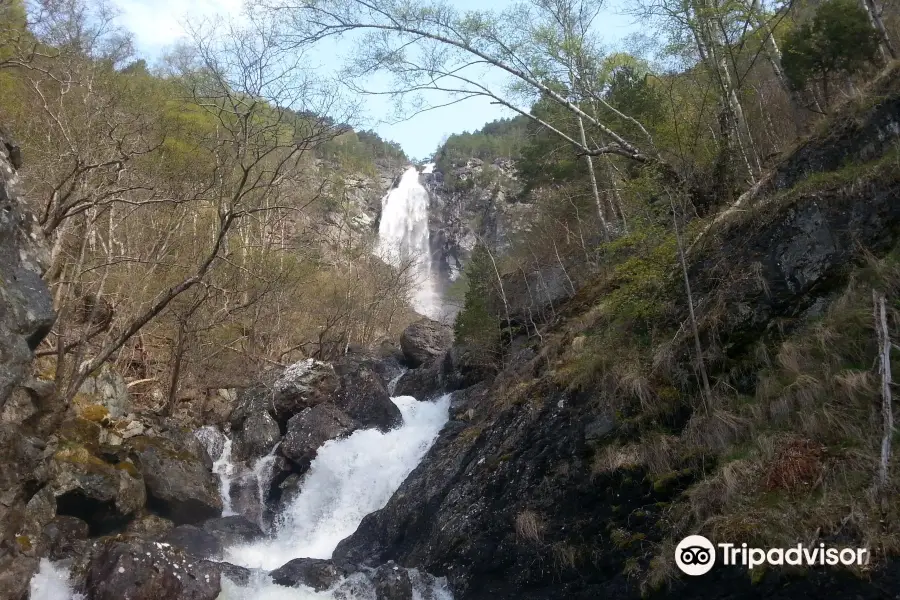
(403, 237)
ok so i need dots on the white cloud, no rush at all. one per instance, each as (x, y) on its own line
(159, 23)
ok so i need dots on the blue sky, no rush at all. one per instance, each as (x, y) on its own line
(156, 25)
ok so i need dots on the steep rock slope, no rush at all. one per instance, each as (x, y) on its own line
(542, 489)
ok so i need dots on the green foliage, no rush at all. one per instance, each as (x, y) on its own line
(838, 40)
(478, 324)
(503, 138)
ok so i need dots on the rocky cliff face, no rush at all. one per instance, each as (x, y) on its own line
(473, 201)
(507, 503)
(26, 316)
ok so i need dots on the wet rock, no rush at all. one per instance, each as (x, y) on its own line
(63, 535)
(310, 429)
(237, 574)
(150, 527)
(233, 530)
(289, 489)
(423, 383)
(259, 433)
(303, 385)
(92, 489)
(140, 570)
(250, 401)
(195, 541)
(16, 570)
(392, 583)
(180, 485)
(425, 340)
(363, 397)
(316, 573)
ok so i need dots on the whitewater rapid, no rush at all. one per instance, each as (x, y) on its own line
(348, 479)
(403, 236)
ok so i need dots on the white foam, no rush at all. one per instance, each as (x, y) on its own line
(51, 582)
(347, 480)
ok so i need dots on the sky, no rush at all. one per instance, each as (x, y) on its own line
(157, 25)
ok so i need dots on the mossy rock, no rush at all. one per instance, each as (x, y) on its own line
(128, 467)
(80, 455)
(96, 413)
(24, 543)
(81, 432)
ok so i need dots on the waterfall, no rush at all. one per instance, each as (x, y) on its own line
(403, 236)
(217, 444)
(348, 479)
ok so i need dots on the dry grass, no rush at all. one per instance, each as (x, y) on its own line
(529, 526)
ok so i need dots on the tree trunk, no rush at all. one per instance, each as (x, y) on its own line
(884, 368)
(887, 48)
(593, 177)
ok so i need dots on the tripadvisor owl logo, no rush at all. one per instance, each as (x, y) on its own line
(695, 555)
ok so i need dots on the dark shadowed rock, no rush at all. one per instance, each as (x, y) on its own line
(140, 570)
(425, 340)
(233, 530)
(252, 400)
(180, 487)
(364, 398)
(316, 573)
(237, 574)
(195, 541)
(464, 366)
(150, 527)
(422, 383)
(312, 428)
(87, 487)
(303, 385)
(258, 435)
(392, 583)
(62, 534)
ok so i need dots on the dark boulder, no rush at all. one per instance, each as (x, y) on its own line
(259, 433)
(233, 530)
(180, 486)
(310, 429)
(150, 527)
(425, 340)
(464, 366)
(140, 570)
(303, 385)
(316, 573)
(237, 574)
(195, 541)
(364, 398)
(250, 401)
(392, 582)
(63, 536)
(423, 383)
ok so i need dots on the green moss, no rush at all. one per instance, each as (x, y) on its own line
(128, 467)
(94, 412)
(24, 543)
(622, 538)
(81, 432)
(79, 455)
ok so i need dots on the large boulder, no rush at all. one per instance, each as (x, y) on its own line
(140, 570)
(250, 401)
(463, 366)
(423, 383)
(310, 429)
(303, 385)
(233, 530)
(365, 399)
(257, 436)
(107, 389)
(63, 535)
(150, 527)
(318, 574)
(89, 488)
(425, 340)
(180, 485)
(392, 582)
(195, 541)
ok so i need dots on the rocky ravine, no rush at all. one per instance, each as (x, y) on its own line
(506, 505)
